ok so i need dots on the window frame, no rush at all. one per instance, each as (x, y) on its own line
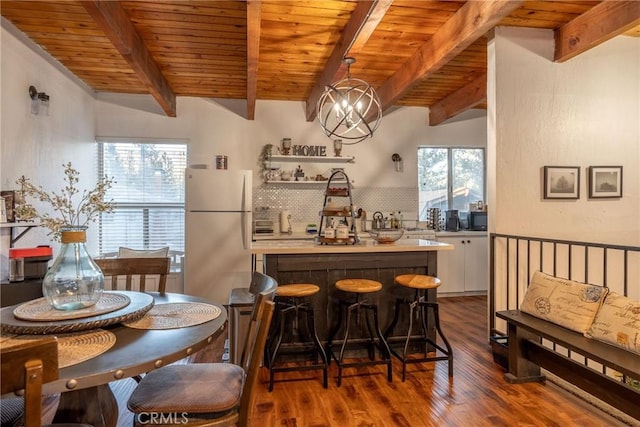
(175, 255)
(450, 173)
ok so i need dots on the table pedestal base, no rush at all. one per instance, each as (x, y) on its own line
(94, 405)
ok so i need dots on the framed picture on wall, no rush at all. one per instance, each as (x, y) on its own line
(561, 182)
(605, 182)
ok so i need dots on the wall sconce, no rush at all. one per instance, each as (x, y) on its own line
(39, 102)
(397, 160)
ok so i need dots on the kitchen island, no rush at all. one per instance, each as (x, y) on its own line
(305, 261)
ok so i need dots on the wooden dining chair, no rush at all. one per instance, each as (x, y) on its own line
(134, 268)
(206, 394)
(26, 367)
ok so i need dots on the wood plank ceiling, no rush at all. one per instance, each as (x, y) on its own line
(414, 52)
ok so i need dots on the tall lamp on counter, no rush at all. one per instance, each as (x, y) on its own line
(344, 107)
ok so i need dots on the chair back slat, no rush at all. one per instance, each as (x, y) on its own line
(264, 288)
(129, 268)
(255, 344)
(26, 367)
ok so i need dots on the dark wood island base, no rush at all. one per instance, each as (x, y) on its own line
(324, 265)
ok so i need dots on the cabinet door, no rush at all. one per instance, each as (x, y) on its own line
(476, 260)
(451, 269)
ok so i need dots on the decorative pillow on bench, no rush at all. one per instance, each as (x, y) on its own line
(564, 302)
(617, 322)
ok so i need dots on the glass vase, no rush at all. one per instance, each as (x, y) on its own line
(74, 281)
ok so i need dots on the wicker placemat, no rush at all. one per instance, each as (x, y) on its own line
(176, 315)
(73, 348)
(139, 305)
(39, 310)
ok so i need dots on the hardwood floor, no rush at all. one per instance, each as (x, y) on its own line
(476, 396)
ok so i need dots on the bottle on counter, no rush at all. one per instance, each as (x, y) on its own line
(363, 221)
(399, 219)
(393, 223)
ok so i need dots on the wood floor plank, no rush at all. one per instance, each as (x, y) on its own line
(476, 396)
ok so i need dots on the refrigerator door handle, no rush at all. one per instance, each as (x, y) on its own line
(245, 220)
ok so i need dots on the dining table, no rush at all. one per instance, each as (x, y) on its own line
(137, 346)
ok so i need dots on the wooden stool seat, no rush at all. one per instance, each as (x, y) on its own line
(359, 286)
(299, 290)
(417, 281)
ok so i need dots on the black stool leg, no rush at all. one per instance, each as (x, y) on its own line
(405, 350)
(350, 308)
(334, 331)
(423, 312)
(396, 316)
(311, 324)
(384, 346)
(278, 341)
(449, 351)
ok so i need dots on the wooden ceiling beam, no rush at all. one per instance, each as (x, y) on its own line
(469, 23)
(461, 100)
(114, 21)
(253, 54)
(599, 24)
(363, 21)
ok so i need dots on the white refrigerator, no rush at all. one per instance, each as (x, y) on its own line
(218, 230)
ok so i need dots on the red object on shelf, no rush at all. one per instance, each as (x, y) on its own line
(30, 252)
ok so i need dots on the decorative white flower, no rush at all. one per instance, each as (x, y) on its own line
(71, 212)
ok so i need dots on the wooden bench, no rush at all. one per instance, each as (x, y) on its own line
(527, 355)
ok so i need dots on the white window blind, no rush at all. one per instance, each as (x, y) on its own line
(148, 193)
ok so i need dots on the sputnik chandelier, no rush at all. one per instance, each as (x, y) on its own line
(344, 106)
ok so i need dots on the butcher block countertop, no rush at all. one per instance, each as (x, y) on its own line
(364, 246)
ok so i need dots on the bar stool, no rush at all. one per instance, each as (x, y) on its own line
(419, 307)
(289, 301)
(359, 287)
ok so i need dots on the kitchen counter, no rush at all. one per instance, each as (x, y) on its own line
(283, 236)
(304, 261)
(364, 246)
(363, 235)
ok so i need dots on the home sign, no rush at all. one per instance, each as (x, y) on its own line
(309, 150)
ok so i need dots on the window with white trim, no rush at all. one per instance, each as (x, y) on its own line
(148, 193)
(449, 178)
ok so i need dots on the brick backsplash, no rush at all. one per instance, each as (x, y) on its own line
(306, 203)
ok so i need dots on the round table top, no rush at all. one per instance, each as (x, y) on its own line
(139, 304)
(137, 351)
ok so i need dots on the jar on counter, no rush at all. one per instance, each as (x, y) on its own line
(342, 231)
(329, 233)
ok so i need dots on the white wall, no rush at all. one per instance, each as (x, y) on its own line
(584, 112)
(35, 145)
(212, 129)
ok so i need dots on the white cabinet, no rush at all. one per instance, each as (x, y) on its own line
(466, 268)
